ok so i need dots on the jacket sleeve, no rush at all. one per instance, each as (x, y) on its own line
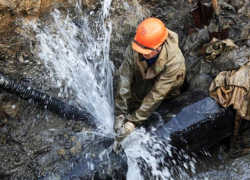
(162, 86)
(123, 95)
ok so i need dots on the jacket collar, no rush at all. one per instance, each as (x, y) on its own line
(156, 68)
(168, 51)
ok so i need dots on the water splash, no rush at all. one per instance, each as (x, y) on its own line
(77, 62)
(152, 158)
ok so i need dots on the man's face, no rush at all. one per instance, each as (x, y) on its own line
(152, 54)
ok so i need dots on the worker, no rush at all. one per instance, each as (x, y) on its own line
(153, 70)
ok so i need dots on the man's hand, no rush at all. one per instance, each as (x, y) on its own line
(124, 131)
(119, 121)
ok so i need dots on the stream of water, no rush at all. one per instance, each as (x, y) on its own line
(77, 61)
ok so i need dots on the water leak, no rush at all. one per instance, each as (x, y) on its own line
(150, 157)
(77, 62)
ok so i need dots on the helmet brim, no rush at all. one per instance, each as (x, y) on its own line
(142, 50)
(139, 49)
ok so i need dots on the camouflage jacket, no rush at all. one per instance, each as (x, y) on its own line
(149, 86)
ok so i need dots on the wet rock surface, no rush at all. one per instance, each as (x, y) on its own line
(230, 60)
(36, 143)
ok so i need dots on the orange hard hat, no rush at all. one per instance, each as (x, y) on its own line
(150, 34)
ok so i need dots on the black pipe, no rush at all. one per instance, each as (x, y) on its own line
(195, 121)
(199, 126)
(192, 122)
(26, 92)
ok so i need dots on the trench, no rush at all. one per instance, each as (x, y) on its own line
(77, 64)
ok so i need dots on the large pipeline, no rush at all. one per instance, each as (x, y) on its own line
(27, 93)
(198, 125)
(192, 120)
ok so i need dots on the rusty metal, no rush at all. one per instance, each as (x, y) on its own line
(219, 33)
(202, 14)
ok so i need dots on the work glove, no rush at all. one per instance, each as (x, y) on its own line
(119, 121)
(124, 131)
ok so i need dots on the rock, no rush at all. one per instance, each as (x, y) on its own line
(237, 4)
(245, 10)
(76, 149)
(77, 128)
(230, 60)
(61, 152)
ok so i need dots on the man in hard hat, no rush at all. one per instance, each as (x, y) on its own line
(153, 70)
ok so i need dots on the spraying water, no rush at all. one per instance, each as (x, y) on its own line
(78, 63)
(152, 158)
